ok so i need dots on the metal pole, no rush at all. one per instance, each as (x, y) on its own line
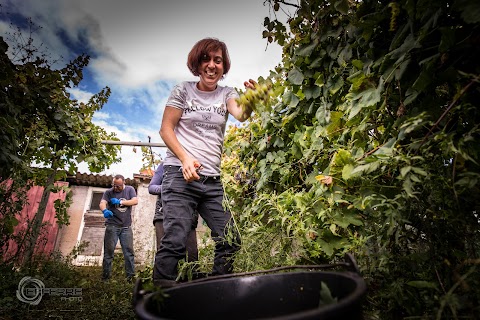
(136, 144)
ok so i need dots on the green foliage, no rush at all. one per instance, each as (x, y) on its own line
(99, 300)
(382, 96)
(204, 264)
(150, 159)
(41, 126)
(206, 248)
(61, 207)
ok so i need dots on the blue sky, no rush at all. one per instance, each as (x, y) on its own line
(139, 49)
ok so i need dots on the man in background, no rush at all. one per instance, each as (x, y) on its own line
(116, 205)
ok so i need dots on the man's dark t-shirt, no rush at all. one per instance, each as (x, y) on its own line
(122, 215)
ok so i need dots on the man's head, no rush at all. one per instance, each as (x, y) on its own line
(118, 183)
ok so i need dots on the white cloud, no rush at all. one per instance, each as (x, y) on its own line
(99, 115)
(139, 49)
(141, 42)
(4, 27)
(80, 95)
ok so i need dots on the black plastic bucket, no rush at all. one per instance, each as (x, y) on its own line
(286, 295)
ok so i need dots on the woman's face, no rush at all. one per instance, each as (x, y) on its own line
(210, 70)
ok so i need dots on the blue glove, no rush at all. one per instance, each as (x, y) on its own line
(114, 201)
(107, 213)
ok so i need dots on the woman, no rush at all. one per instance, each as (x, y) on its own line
(193, 129)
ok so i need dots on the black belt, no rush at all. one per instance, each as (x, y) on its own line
(203, 178)
(208, 179)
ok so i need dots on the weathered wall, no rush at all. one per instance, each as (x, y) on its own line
(143, 229)
(67, 235)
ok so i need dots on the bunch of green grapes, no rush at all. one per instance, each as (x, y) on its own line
(257, 99)
(395, 12)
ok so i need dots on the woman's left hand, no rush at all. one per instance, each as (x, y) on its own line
(250, 84)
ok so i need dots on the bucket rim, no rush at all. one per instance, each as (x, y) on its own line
(353, 297)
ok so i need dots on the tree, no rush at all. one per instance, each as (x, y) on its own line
(150, 159)
(41, 126)
(382, 96)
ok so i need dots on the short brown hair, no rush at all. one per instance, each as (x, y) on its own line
(204, 47)
(119, 176)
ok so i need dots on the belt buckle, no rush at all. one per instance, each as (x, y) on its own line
(203, 178)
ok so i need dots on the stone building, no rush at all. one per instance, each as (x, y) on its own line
(87, 221)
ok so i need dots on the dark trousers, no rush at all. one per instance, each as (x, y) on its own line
(191, 246)
(180, 200)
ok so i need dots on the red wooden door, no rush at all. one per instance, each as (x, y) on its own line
(46, 242)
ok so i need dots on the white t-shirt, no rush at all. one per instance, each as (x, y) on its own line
(201, 128)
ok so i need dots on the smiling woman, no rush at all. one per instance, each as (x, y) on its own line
(193, 129)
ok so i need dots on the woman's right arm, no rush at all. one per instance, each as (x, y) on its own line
(171, 116)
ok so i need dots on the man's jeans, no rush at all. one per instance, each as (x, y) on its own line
(180, 200)
(112, 235)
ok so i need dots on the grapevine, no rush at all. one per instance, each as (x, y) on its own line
(338, 169)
